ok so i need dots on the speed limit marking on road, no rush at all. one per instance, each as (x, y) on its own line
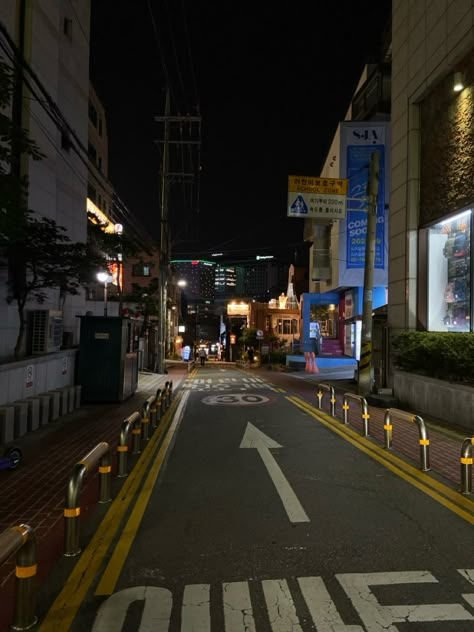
(237, 399)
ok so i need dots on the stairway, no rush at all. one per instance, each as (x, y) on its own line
(331, 348)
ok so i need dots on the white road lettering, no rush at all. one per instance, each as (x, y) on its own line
(280, 606)
(254, 438)
(321, 607)
(196, 611)
(238, 613)
(156, 611)
(378, 618)
(468, 573)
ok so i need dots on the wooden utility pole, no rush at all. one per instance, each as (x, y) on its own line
(365, 378)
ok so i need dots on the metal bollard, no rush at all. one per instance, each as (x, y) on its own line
(72, 510)
(332, 392)
(170, 392)
(365, 410)
(423, 441)
(131, 422)
(158, 411)
(466, 465)
(146, 420)
(22, 541)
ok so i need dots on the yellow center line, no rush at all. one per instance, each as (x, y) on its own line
(62, 612)
(454, 501)
(114, 567)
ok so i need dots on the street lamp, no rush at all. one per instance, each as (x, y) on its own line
(103, 277)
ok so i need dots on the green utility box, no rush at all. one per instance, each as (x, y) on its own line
(107, 367)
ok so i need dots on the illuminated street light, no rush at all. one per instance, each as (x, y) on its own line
(103, 277)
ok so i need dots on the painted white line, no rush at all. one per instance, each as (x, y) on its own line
(195, 614)
(156, 611)
(321, 607)
(238, 613)
(254, 438)
(280, 606)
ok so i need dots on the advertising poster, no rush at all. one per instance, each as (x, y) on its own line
(358, 142)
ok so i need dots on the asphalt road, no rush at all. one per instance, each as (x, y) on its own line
(258, 518)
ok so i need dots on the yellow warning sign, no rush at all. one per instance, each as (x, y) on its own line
(328, 186)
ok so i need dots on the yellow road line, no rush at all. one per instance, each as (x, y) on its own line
(114, 567)
(454, 501)
(61, 614)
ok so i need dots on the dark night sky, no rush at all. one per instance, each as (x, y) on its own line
(271, 85)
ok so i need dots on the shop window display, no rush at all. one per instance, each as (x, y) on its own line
(449, 274)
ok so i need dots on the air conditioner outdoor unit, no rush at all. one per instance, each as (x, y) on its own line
(46, 331)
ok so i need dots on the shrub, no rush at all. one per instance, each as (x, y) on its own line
(446, 356)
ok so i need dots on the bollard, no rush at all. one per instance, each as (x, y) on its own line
(22, 541)
(466, 465)
(72, 510)
(132, 421)
(319, 395)
(365, 410)
(146, 420)
(169, 392)
(158, 412)
(423, 441)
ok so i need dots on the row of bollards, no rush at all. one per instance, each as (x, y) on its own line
(21, 540)
(466, 459)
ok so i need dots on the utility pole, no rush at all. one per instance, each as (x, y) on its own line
(167, 178)
(365, 362)
(164, 254)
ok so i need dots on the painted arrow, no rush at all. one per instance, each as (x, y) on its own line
(255, 438)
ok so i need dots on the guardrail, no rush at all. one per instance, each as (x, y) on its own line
(466, 465)
(99, 454)
(21, 540)
(332, 392)
(365, 410)
(423, 440)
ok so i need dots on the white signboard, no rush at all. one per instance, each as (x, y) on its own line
(322, 198)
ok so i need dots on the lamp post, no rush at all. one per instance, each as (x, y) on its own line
(103, 277)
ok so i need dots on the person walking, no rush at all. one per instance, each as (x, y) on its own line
(202, 355)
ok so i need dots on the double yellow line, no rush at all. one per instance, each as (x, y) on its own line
(446, 496)
(64, 609)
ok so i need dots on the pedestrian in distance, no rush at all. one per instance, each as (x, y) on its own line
(202, 356)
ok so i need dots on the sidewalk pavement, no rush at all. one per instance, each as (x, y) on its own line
(34, 493)
(445, 440)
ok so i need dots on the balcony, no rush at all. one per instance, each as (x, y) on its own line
(372, 102)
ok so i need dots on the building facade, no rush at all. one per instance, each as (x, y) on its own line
(53, 40)
(432, 193)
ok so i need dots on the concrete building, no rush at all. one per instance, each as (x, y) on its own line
(432, 191)
(53, 39)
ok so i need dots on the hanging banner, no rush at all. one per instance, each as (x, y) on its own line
(358, 142)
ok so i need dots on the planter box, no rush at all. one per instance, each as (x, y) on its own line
(446, 401)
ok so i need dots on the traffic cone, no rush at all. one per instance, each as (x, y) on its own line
(314, 368)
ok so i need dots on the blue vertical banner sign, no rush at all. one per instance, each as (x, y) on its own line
(358, 142)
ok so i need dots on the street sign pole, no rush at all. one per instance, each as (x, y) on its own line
(365, 363)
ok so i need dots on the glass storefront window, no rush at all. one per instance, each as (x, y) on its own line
(449, 274)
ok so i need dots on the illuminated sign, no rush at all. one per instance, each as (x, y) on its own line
(232, 339)
(264, 257)
(237, 309)
(101, 218)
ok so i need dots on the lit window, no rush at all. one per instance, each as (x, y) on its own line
(449, 274)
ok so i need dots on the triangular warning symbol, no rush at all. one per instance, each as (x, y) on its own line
(299, 205)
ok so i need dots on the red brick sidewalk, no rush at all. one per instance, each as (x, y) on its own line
(35, 492)
(445, 445)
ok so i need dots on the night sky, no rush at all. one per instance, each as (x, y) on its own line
(270, 83)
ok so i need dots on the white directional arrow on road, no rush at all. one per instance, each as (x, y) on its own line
(255, 438)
